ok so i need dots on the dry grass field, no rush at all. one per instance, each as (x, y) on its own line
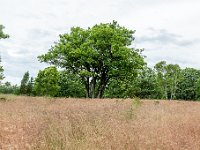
(73, 124)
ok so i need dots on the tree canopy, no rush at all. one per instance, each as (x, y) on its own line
(46, 83)
(96, 55)
(24, 83)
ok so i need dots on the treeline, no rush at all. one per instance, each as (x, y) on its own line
(164, 81)
(99, 62)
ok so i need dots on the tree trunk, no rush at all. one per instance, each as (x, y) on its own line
(93, 87)
(87, 86)
(102, 87)
(171, 95)
(101, 91)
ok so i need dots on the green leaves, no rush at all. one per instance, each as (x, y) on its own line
(46, 83)
(168, 76)
(2, 34)
(1, 72)
(96, 55)
(187, 87)
(70, 85)
(24, 83)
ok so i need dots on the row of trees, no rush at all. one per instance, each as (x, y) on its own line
(164, 81)
(100, 62)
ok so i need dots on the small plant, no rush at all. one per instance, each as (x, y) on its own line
(135, 103)
(3, 99)
(156, 102)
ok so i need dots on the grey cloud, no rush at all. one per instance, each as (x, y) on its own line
(162, 36)
(37, 34)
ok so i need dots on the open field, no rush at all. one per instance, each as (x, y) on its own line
(56, 124)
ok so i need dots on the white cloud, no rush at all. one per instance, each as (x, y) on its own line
(168, 29)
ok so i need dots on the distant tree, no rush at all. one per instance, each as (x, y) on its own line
(168, 76)
(24, 83)
(97, 55)
(1, 72)
(172, 77)
(160, 69)
(46, 83)
(7, 88)
(30, 86)
(147, 84)
(2, 34)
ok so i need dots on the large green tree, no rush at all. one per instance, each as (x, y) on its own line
(96, 55)
(46, 83)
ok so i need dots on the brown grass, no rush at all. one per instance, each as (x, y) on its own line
(59, 124)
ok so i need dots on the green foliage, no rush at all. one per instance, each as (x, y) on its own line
(99, 62)
(147, 84)
(168, 76)
(1, 72)
(26, 87)
(143, 86)
(197, 89)
(30, 86)
(160, 69)
(70, 85)
(24, 83)
(186, 88)
(160, 83)
(2, 34)
(172, 77)
(7, 88)
(46, 83)
(96, 55)
(118, 88)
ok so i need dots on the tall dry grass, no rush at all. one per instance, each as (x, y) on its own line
(59, 124)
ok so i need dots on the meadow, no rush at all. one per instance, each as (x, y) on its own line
(117, 124)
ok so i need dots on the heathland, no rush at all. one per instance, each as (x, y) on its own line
(118, 124)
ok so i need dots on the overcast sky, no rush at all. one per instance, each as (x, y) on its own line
(166, 29)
